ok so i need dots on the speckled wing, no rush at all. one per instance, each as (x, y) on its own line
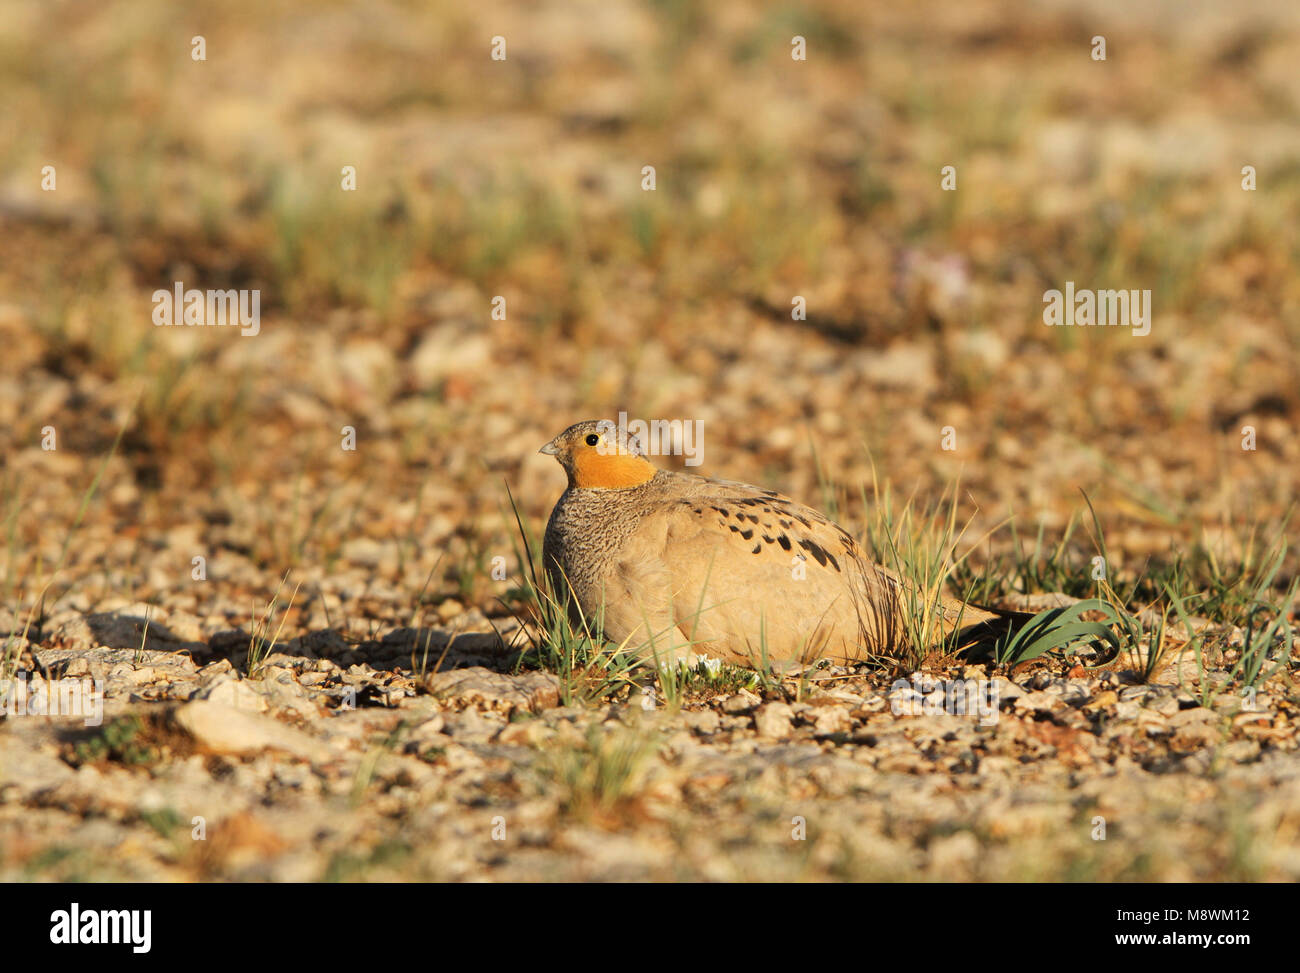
(746, 572)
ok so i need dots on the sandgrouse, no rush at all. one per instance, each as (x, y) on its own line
(675, 565)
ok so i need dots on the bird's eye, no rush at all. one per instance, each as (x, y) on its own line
(593, 439)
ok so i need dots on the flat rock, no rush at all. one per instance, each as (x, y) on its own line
(774, 721)
(1039, 702)
(832, 720)
(477, 686)
(225, 729)
(241, 694)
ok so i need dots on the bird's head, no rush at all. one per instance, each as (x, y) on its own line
(597, 454)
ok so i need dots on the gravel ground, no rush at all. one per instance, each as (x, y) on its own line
(339, 761)
(172, 496)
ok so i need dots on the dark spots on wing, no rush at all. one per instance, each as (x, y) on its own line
(784, 541)
(750, 517)
(698, 510)
(767, 540)
(803, 520)
(822, 555)
(733, 528)
(787, 524)
(815, 549)
(723, 510)
(747, 533)
(757, 548)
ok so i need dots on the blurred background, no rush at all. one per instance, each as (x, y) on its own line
(522, 178)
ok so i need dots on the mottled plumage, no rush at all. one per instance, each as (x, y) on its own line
(674, 563)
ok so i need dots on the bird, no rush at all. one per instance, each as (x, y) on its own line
(680, 567)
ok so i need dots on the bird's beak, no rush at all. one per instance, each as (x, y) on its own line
(550, 449)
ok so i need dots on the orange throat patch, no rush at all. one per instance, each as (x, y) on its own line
(593, 470)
